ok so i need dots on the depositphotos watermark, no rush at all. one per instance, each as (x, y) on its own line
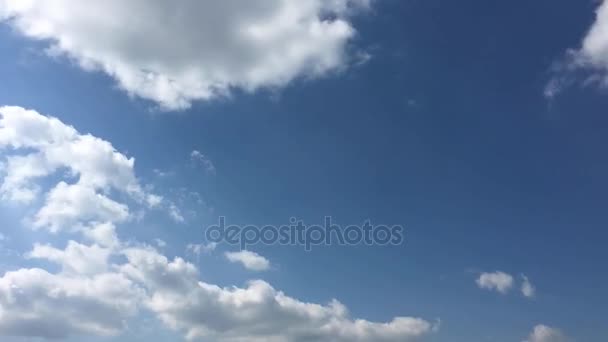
(299, 234)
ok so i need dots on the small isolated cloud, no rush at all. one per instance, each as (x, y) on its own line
(543, 333)
(497, 281)
(201, 160)
(527, 289)
(37, 146)
(202, 49)
(160, 243)
(251, 260)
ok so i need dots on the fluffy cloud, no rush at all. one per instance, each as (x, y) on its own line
(90, 296)
(103, 234)
(70, 205)
(76, 258)
(498, 281)
(543, 333)
(257, 312)
(34, 302)
(594, 50)
(177, 52)
(100, 286)
(591, 57)
(251, 260)
(38, 146)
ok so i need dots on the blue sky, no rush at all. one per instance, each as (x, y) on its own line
(479, 126)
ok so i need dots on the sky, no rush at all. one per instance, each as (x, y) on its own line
(127, 129)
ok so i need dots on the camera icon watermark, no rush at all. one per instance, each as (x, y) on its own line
(296, 233)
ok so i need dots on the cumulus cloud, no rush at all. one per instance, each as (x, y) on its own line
(591, 58)
(36, 303)
(76, 258)
(38, 146)
(256, 312)
(103, 234)
(497, 281)
(85, 298)
(250, 260)
(70, 205)
(178, 52)
(100, 286)
(543, 333)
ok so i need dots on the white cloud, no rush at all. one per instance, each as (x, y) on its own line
(594, 50)
(251, 260)
(499, 281)
(38, 146)
(99, 287)
(527, 289)
(55, 146)
(68, 206)
(543, 333)
(257, 312)
(591, 56)
(103, 234)
(34, 302)
(202, 160)
(177, 52)
(76, 258)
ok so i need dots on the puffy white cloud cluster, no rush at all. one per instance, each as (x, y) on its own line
(34, 302)
(101, 285)
(179, 51)
(256, 312)
(38, 146)
(91, 296)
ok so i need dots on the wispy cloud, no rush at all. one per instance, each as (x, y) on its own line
(201, 160)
